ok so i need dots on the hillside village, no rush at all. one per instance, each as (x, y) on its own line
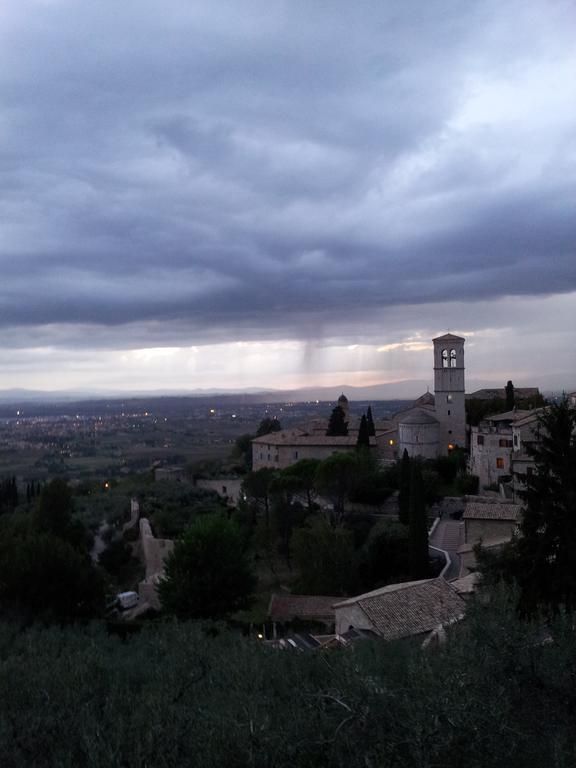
(434, 426)
(322, 578)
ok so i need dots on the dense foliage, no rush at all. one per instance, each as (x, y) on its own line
(542, 558)
(208, 574)
(173, 696)
(46, 573)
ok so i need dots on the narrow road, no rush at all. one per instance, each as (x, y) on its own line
(448, 535)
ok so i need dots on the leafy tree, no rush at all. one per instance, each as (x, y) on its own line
(384, 557)
(268, 425)
(446, 467)
(404, 489)
(54, 515)
(117, 560)
(243, 452)
(370, 420)
(337, 425)
(257, 488)
(43, 577)
(418, 527)
(55, 509)
(541, 559)
(324, 556)
(336, 478)
(363, 440)
(303, 476)
(208, 574)
(510, 400)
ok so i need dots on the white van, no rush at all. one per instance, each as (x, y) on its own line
(125, 600)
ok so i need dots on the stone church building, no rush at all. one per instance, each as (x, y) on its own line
(430, 427)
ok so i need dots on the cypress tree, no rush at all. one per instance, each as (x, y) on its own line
(370, 420)
(404, 489)
(363, 440)
(337, 426)
(509, 396)
(418, 529)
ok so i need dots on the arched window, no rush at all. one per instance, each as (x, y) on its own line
(444, 358)
(452, 358)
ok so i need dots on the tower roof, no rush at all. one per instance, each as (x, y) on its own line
(342, 398)
(449, 337)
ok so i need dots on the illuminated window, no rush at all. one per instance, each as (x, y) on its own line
(391, 442)
(448, 398)
(499, 463)
(452, 358)
(450, 447)
(444, 358)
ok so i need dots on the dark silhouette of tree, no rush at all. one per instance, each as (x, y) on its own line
(324, 556)
(43, 577)
(385, 555)
(337, 426)
(418, 527)
(510, 400)
(303, 476)
(544, 559)
(208, 574)
(8, 495)
(336, 478)
(370, 420)
(363, 440)
(256, 487)
(404, 489)
(243, 452)
(268, 425)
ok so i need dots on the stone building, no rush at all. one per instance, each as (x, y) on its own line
(491, 447)
(430, 427)
(410, 609)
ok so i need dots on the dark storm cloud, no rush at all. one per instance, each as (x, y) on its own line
(255, 169)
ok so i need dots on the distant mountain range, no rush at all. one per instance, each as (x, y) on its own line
(397, 390)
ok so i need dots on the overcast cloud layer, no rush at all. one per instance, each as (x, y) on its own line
(306, 176)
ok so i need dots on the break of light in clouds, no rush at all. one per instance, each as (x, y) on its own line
(281, 194)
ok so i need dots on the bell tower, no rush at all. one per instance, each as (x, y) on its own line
(449, 393)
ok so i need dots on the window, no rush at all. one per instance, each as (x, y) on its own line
(499, 463)
(295, 455)
(529, 471)
(444, 358)
(448, 398)
(224, 490)
(452, 358)
(448, 412)
(516, 441)
(502, 443)
(480, 440)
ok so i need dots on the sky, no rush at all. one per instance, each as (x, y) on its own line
(281, 194)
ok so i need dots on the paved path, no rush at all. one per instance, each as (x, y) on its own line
(448, 535)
